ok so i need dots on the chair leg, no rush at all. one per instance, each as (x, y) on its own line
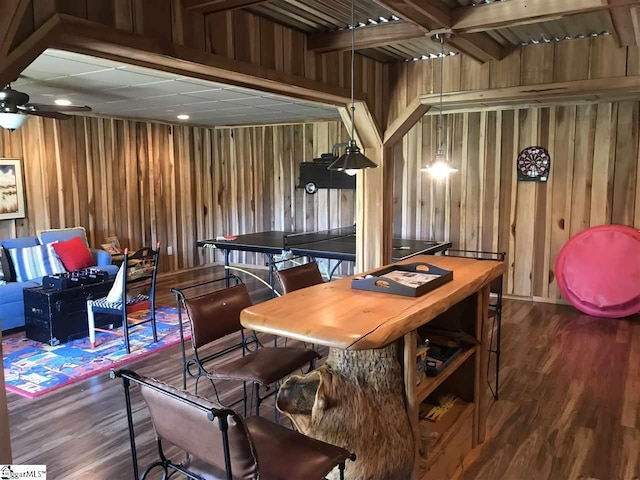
(125, 329)
(244, 398)
(257, 388)
(92, 324)
(498, 348)
(153, 323)
(341, 467)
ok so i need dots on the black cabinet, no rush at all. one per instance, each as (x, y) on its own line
(59, 316)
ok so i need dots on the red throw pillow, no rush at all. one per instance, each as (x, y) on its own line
(74, 254)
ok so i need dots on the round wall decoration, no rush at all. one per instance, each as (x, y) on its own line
(533, 164)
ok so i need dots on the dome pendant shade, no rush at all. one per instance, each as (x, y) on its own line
(12, 121)
(353, 159)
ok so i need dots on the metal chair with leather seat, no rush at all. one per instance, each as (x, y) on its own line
(235, 448)
(495, 309)
(216, 315)
(301, 276)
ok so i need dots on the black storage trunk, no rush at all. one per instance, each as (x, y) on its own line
(58, 316)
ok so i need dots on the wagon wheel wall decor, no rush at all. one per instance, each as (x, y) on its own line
(533, 164)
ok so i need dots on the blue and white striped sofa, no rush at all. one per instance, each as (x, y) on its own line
(11, 300)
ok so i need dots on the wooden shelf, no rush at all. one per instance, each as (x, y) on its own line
(429, 384)
(453, 441)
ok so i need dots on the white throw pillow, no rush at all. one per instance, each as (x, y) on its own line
(115, 294)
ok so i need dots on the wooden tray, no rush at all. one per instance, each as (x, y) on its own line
(374, 283)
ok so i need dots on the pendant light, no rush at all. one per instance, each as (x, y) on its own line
(440, 168)
(353, 159)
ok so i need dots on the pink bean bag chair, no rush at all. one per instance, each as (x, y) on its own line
(598, 271)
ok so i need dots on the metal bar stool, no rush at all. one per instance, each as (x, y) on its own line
(495, 309)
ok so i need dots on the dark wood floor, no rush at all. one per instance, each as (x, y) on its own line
(569, 406)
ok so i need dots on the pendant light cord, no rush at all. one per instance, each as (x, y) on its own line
(353, 56)
(440, 150)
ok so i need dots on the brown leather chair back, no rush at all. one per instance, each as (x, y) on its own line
(302, 276)
(190, 429)
(216, 314)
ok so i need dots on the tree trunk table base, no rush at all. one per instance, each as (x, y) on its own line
(356, 401)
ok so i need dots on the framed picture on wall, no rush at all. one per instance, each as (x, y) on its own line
(12, 203)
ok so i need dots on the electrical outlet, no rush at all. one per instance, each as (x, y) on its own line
(169, 250)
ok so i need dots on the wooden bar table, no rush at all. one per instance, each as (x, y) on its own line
(366, 397)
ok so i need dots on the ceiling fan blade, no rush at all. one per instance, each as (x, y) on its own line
(56, 115)
(58, 108)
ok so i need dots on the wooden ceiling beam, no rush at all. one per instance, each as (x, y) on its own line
(11, 14)
(523, 12)
(626, 26)
(591, 90)
(405, 121)
(20, 57)
(370, 36)
(429, 15)
(213, 6)
(90, 38)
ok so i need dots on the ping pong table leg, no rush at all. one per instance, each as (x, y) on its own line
(227, 252)
(271, 260)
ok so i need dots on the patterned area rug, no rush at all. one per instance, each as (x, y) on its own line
(32, 369)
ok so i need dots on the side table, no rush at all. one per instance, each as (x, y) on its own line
(59, 316)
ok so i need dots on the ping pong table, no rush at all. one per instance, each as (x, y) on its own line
(337, 244)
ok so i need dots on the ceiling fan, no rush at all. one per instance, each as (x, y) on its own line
(15, 106)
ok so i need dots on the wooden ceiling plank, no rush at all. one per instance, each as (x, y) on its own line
(523, 12)
(212, 6)
(370, 36)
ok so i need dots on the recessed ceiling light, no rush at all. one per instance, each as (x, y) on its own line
(63, 102)
(183, 116)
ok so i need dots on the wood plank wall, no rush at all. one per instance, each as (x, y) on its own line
(237, 34)
(148, 182)
(580, 59)
(594, 180)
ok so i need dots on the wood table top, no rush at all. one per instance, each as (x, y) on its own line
(334, 315)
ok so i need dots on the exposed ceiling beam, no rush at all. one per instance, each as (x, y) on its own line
(420, 12)
(370, 36)
(626, 26)
(405, 122)
(91, 38)
(522, 12)
(11, 14)
(20, 57)
(429, 15)
(213, 6)
(591, 90)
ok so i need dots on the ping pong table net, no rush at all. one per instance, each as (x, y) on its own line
(306, 238)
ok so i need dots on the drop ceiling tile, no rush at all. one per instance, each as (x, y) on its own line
(121, 77)
(125, 90)
(56, 68)
(259, 101)
(219, 94)
(78, 57)
(171, 86)
(132, 93)
(80, 84)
